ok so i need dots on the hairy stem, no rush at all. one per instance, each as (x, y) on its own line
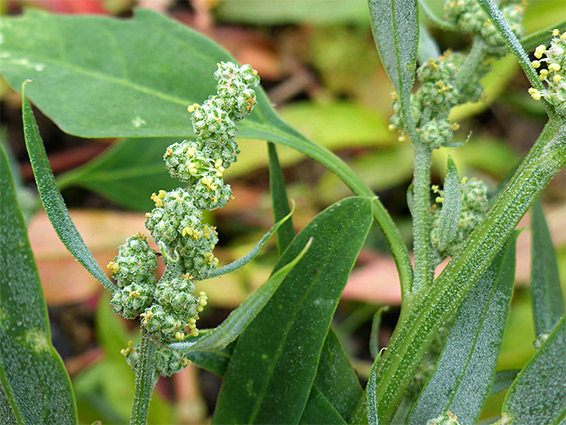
(421, 217)
(146, 378)
(411, 340)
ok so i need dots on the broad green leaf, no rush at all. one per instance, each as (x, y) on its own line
(53, 201)
(394, 24)
(214, 361)
(279, 200)
(241, 262)
(132, 86)
(126, 173)
(538, 395)
(218, 338)
(335, 389)
(34, 381)
(503, 380)
(462, 379)
(546, 294)
(451, 204)
(280, 12)
(277, 356)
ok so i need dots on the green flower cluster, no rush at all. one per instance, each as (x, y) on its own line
(470, 17)
(473, 206)
(169, 309)
(168, 362)
(438, 94)
(551, 66)
(202, 162)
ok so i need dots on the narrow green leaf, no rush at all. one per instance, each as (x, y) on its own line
(53, 201)
(428, 49)
(394, 24)
(219, 337)
(132, 87)
(451, 205)
(125, 173)
(279, 200)
(214, 361)
(6, 413)
(335, 382)
(546, 293)
(503, 380)
(513, 43)
(34, 380)
(372, 415)
(543, 36)
(374, 333)
(431, 16)
(464, 372)
(278, 354)
(538, 395)
(241, 262)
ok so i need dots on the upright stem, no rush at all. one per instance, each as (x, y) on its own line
(146, 378)
(421, 217)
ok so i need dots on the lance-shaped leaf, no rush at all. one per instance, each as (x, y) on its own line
(335, 390)
(538, 395)
(277, 356)
(395, 30)
(101, 77)
(546, 294)
(241, 262)
(53, 201)
(503, 380)
(35, 386)
(464, 372)
(279, 200)
(219, 337)
(451, 206)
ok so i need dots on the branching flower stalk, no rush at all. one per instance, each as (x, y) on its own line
(168, 307)
(450, 80)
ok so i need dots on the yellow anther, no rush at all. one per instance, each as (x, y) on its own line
(464, 180)
(218, 163)
(187, 276)
(155, 198)
(209, 257)
(162, 194)
(555, 33)
(190, 152)
(535, 94)
(535, 64)
(168, 152)
(554, 67)
(455, 126)
(113, 267)
(147, 215)
(134, 294)
(194, 332)
(192, 325)
(393, 95)
(215, 199)
(185, 362)
(192, 320)
(402, 138)
(179, 336)
(199, 309)
(141, 236)
(206, 232)
(203, 302)
(563, 36)
(391, 127)
(439, 199)
(434, 188)
(557, 78)
(543, 74)
(539, 51)
(193, 107)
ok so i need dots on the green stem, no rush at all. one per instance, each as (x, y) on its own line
(469, 70)
(411, 340)
(146, 378)
(421, 217)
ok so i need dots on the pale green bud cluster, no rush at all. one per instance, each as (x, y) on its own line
(438, 94)
(133, 271)
(473, 206)
(447, 418)
(202, 162)
(551, 66)
(167, 361)
(169, 309)
(470, 17)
